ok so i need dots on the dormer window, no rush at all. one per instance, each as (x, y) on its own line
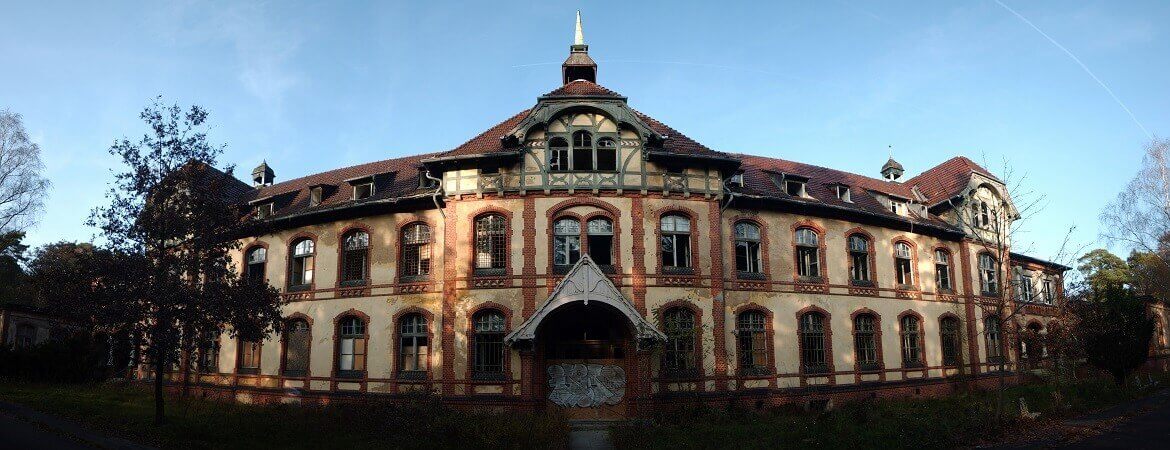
(844, 194)
(316, 194)
(265, 210)
(898, 207)
(558, 155)
(607, 154)
(795, 188)
(363, 190)
(736, 180)
(423, 181)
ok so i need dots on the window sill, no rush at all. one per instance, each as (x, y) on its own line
(413, 375)
(912, 365)
(756, 372)
(353, 283)
(295, 373)
(248, 371)
(491, 376)
(351, 374)
(681, 374)
(946, 291)
(819, 369)
(490, 272)
(861, 283)
(299, 288)
(749, 275)
(810, 280)
(414, 278)
(869, 368)
(674, 270)
(907, 287)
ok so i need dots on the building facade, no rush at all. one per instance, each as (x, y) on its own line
(584, 256)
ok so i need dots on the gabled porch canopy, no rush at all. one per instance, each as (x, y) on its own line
(586, 283)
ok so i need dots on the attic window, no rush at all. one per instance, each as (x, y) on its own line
(423, 181)
(265, 210)
(795, 188)
(843, 194)
(736, 180)
(898, 207)
(363, 190)
(315, 195)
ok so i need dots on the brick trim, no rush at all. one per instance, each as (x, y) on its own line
(951, 262)
(507, 356)
(399, 239)
(254, 244)
(659, 214)
(474, 230)
(941, 344)
(765, 268)
(697, 334)
(915, 271)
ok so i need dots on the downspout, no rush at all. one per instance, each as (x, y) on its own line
(438, 192)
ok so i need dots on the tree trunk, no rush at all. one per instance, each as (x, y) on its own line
(159, 364)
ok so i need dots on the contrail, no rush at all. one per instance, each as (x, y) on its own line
(1083, 66)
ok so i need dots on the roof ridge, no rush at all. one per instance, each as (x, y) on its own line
(839, 171)
(292, 182)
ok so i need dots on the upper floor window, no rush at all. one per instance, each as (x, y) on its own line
(859, 252)
(812, 343)
(316, 194)
(256, 261)
(249, 360)
(301, 265)
(208, 352)
(265, 210)
(363, 190)
(355, 258)
(865, 342)
(807, 253)
(676, 241)
(297, 340)
(942, 269)
(795, 188)
(911, 342)
(984, 215)
(412, 343)
(607, 154)
(903, 262)
(736, 179)
(988, 274)
(747, 248)
(844, 194)
(991, 337)
(491, 247)
(599, 242)
(351, 348)
(898, 207)
(488, 343)
(416, 251)
(1024, 285)
(679, 355)
(566, 242)
(558, 155)
(753, 342)
(1047, 292)
(582, 150)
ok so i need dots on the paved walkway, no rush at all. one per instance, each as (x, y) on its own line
(24, 428)
(1139, 424)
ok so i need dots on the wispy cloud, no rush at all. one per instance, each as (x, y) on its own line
(1083, 66)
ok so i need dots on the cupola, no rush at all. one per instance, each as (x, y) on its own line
(579, 66)
(891, 170)
(263, 175)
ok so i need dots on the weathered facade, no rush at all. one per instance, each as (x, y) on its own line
(585, 256)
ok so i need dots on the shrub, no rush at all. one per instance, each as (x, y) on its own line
(75, 359)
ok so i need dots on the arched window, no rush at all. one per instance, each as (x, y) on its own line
(911, 342)
(859, 249)
(812, 343)
(747, 250)
(751, 332)
(491, 245)
(297, 340)
(26, 336)
(301, 265)
(865, 342)
(582, 151)
(416, 251)
(679, 359)
(355, 258)
(808, 261)
(949, 338)
(488, 344)
(984, 215)
(208, 351)
(942, 270)
(248, 362)
(676, 242)
(904, 268)
(256, 262)
(988, 274)
(413, 345)
(991, 336)
(607, 158)
(351, 348)
(566, 242)
(558, 155)
(600, 240)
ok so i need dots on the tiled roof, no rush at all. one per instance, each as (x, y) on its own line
(947, 179)
(392, 178)
(820, 187)
(488, 141)
(579, 59)
(582, 88)
(677, 142)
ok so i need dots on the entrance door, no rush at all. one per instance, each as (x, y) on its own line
(584, 351)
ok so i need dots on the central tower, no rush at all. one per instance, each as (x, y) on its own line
(579, 66)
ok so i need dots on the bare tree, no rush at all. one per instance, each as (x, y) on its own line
(997, 226)
(22, 187)
(1140, 216)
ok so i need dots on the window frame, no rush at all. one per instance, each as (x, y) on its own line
(345, 253)
(422, 363)
(956, 340)
(752, 270)
(367, 187)
(918, 351)
(674, 236)
(905, 265)
(993, 335)
(477, 368)
(424, 252)
(807, 321)
(498, 235)
(566, 239)
(339, 338)
(868, 257)
(249, 270)
(799, 249)
(285, 346)
(751, 337)
(244, 349)
(989, 276)
(943, 270)
(265, 210)
(689, 338)
(308, 264)
(875, 334)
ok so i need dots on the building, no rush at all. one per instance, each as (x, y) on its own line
(582, 255)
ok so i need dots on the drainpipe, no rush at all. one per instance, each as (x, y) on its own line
(438, 192)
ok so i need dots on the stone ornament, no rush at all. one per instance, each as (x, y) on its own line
(586, 385)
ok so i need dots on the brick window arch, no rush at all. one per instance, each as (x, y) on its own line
(488, 355)
(867, 341)
(861, 259)
(988, 275)
(301, 262)
(351, 335)
(675, 246)
(413, 334)
(944, 275)
(680, 356)
(815, 341)
(255, 263)
(415, 252)
(749, 254)
(355, 258)
(808, 253)
(911, 333)
(950, 340)
(905, 265)
(753, 332)
(296, 343)
(491, 244)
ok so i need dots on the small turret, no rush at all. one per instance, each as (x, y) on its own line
(579, 66)
(263, 175)
(891, 170)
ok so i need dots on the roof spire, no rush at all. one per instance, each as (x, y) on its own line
(579, 66)
(578, 35)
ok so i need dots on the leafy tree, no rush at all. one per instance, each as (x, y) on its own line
(170, 227)
(1114, 328)
(64, 273)
(11, 274)
(1103, 269)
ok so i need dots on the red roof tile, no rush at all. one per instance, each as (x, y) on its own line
(947, 179)
(582, 88)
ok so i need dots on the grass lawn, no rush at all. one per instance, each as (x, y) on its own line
(961, 420)
(127, 411)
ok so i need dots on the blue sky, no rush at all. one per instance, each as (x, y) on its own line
(314, 86)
